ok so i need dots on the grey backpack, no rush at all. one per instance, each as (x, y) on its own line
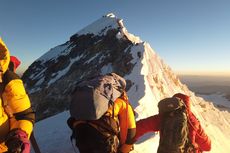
(92, 98)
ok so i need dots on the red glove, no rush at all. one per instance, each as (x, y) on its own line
(17, 142)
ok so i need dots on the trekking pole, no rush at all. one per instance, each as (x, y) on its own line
(34, 143)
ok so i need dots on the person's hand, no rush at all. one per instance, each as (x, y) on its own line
(17, 142)
(125, 148)
(70, 122)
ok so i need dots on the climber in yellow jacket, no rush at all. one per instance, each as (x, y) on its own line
(124, 113)
(16, 115)
(89, 140)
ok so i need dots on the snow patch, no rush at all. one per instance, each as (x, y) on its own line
(101, 26)
(129, 36)
(39, 82)
(107, 69)
(92, 58)
(110, 15)
(53, 53)
(217, 98)
(62, 72)
(119, 35)
(35, 89)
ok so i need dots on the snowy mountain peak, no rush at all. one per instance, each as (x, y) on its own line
(101, 26)
(106, 46)
(107, 22)
(97, 28)
(110, 15)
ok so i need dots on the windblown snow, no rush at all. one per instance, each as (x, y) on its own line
(154, 80)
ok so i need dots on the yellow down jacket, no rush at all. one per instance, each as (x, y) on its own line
(13, 95)
(124, 113)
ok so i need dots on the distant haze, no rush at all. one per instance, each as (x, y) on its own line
(208, 85)
(196, 80)
(203, 73)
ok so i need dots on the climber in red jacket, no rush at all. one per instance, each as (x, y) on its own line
(198, 137)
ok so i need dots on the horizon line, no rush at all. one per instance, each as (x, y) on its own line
(203, 73)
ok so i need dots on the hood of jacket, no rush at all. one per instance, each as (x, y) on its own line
(4, 57)
(185, 99)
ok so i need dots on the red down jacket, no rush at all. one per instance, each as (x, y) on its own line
(196, 133)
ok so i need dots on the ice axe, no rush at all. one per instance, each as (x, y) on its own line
(34, 143)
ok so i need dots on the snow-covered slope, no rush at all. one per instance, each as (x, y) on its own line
(53, 135)
(102, 47)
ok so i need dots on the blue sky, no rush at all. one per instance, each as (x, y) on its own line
(190, 36)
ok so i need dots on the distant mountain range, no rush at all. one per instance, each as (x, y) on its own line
(207, 85)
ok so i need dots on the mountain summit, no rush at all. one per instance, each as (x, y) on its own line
(106, 46)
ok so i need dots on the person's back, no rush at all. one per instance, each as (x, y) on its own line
(174, 127)
(197, 136)
(17, 117)
(104, 134)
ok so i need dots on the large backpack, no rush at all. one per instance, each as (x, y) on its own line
(94, 129)
(174, 132)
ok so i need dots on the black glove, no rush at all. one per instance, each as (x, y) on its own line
(14, 145)
(17, 142)
(70, 122)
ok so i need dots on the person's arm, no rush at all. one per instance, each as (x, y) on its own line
(18, 101)
(127, 126)
(150, 124)
(202, 140)
(131, 125)
(193, 128)
(198, 137)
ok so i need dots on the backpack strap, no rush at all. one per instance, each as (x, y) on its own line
(103, 127)
(27, 114)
